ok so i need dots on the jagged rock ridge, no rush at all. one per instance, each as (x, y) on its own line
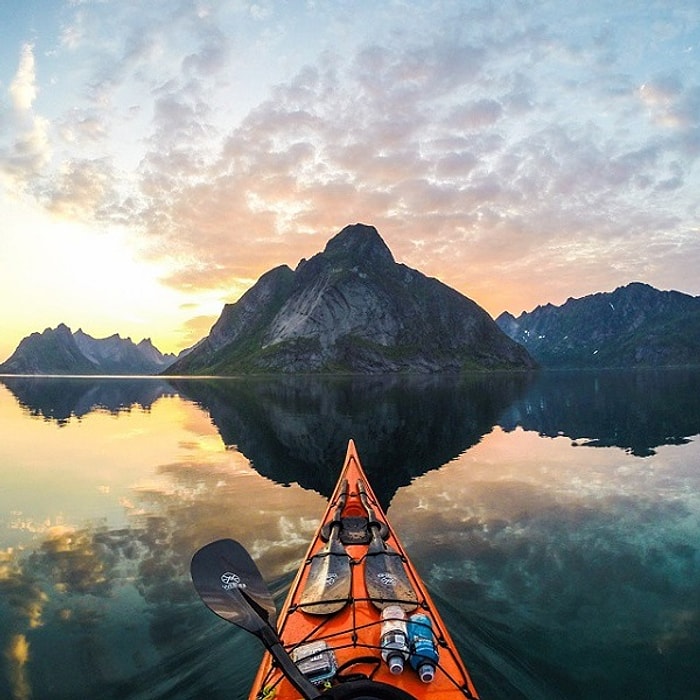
(60, 351)
(633, 326)
(352, 308)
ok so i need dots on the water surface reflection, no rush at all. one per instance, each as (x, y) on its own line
(295, 430)
(637, 411)
(563, 571)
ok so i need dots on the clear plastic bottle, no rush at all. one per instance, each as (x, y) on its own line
(394, 639)
(423, 651)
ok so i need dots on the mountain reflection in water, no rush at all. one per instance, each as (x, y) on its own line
(637, 411)
(562, 572)
(295, 429)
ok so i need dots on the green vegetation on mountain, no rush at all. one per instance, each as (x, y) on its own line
(634, 326)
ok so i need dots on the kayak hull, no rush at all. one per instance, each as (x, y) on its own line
(347, 620)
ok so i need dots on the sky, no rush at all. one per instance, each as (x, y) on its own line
(157, 158)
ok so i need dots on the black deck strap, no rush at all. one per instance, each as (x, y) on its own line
(365, 689)
(343, 677)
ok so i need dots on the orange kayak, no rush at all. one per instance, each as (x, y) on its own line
(358, 618)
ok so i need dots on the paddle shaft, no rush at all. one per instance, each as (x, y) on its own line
(272, 643)
(385, 575)
(246, 602)
(337, 516)
(329, 581)
(371, 517)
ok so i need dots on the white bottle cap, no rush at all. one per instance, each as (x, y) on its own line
(395, 662)
(426, 672)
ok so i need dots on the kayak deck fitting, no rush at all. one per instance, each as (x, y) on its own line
(331, 622)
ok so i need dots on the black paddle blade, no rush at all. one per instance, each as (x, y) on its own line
(328, 585)
(229, 583)
(386, 578)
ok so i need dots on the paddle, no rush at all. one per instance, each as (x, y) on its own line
(329, 582)
(385, 576)
(229, 583)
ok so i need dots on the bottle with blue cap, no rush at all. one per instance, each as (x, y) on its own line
(423, 651)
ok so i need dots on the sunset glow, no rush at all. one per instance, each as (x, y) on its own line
(156, 159)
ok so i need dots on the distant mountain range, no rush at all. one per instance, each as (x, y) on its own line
(634, 326)
(352, 309)
(60, 351)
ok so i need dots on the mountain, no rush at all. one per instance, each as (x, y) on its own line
(634, 326)
(65, 398)
(352, 309)
(59, 351)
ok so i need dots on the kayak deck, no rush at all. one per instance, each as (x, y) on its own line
(355, 567)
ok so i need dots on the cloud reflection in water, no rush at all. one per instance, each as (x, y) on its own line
(590, 572)
(563, 572)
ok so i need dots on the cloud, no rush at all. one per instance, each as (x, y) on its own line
(661, 96)
(17, 656)
(29, 148)
(376, 135)
(476, 115)
(27, 156)
(83, 126)
(82, 189)
(197, 328)
(211, 55)
(23, 89)
(24, 602)
(661, 90)
(491, 134)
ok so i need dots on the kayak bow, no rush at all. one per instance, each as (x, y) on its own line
(339, 646)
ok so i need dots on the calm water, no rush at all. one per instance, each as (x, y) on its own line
(556, 520)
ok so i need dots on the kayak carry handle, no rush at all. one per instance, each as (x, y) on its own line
(371, 516)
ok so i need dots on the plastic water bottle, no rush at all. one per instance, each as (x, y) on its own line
(394, 639)
(423, 652)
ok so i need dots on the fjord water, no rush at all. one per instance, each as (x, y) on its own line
(554, 517)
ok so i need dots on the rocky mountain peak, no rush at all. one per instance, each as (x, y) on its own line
(634, 325)
(358, 243)
(352, 308)
(60, 351)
